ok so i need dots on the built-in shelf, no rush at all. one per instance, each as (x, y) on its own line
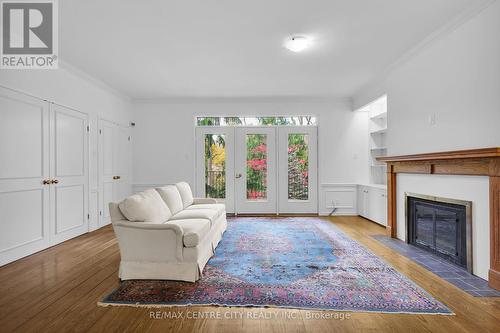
(382, 115)
(380, 131)
(377, 122)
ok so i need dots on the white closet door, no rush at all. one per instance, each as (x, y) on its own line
(69, 173)
(122, 162)
(24, 152)
(114, 165)
(107, 162)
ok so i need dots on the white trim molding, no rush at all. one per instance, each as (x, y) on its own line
(343, 197)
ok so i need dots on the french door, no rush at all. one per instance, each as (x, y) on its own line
(215, 164)
(297, 170)
(258, 170)
(255, 170)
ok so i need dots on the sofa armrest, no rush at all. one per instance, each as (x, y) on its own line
(139, 241)
(201, 201)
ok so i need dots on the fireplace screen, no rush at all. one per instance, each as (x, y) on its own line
(440, 227)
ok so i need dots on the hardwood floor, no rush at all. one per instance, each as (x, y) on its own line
(57, 290)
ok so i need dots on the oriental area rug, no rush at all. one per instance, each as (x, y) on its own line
(301, 263)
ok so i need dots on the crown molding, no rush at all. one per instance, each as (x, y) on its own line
(93, 80)
(244, 99)
(465, 16)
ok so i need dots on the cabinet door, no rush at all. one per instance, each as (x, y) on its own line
(383, 207)
(69, 193)
(377, 203)
(361, 200)
(24, 199)
(373, 199)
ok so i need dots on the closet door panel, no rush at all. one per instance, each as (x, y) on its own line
(108, 151)
(122, 162)
(24, 198)
(70, 208)
(69, 190)
(70, 144)
(22, 133)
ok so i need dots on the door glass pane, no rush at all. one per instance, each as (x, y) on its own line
(298, 167)
(215, 166)
(256, 166)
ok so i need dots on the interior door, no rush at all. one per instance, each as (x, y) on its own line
(255, 170)
(215, 164)
(122, 160)
(298, 168)
(69, 191)
(114, 166)
(107, 161)
(24, 166)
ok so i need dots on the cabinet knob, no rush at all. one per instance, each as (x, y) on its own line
(55, 181)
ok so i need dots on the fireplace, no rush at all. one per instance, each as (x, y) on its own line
(441, 226)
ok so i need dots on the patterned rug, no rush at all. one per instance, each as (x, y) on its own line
(305, 263)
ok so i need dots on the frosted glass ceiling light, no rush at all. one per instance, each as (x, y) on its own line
(298, 43)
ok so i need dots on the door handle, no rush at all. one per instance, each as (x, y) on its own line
(238, 175)
(116, 177)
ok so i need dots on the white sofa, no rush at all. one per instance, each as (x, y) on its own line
(166, 234)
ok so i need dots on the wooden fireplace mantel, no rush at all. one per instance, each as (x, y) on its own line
(471, 162)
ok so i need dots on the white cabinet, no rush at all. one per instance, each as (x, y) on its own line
(372, 203)
(43, 174)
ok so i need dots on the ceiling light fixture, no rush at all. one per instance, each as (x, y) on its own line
(298, 43)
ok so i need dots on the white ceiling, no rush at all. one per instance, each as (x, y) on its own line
(234, 48)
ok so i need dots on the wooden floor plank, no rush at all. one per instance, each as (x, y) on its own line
(57, 290)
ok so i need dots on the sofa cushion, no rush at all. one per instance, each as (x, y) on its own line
(145, 206)
(186, 194)
(208, 214)
(172, 198)
(220, 208)
(194, 230)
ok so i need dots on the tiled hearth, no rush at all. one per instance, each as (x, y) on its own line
(451, 273)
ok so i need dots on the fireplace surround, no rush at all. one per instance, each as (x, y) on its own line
(471, 162)
(441, 226)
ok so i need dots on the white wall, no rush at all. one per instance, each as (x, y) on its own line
(456, 79)
(467, 188)
(69, 87)
(164, 147)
